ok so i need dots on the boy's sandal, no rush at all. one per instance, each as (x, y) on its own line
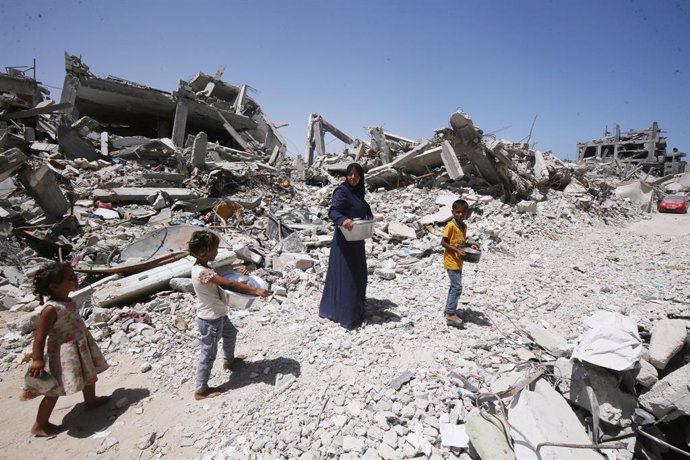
(454, 322)
(211, 392)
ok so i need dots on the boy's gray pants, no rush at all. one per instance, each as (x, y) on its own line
(210, 332)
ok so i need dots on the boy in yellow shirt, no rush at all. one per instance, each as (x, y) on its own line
(454, 239)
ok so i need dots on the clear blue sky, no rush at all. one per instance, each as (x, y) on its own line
(405, 65)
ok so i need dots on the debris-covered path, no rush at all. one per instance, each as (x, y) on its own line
(314, 390)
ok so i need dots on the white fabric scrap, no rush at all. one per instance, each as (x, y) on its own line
(609, 340)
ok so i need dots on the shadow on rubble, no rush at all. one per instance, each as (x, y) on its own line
(473, 316)
(81, 422)
(251, 372)
(376, 311)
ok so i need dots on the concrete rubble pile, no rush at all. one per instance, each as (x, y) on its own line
(461, 154)
(117, 175)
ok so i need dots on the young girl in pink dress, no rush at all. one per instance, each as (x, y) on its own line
(63, 347)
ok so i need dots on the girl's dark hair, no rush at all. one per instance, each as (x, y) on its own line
(359, 189)
(52, 274)
(202, 241)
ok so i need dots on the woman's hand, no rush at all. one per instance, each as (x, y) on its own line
(36, 367)
(348, 224)
(460, 253)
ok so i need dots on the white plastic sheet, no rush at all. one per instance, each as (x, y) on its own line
(609, 340)
(453, 435)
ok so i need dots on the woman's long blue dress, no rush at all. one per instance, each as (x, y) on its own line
(346, 280)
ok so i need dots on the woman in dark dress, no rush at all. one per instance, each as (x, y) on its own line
(346, 281)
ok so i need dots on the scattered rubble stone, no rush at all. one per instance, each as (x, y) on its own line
(120, 207)
(670, 397)
(668, 338)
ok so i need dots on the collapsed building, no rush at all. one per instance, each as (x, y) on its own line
(115, 159)
(645, 150)
(224, 112)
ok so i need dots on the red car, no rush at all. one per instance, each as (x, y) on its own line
(674, 203)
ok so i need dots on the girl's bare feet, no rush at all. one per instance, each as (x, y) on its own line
(46, 430)
(238, 359)
(211, 392)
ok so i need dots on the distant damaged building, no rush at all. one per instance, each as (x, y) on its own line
(645, 149)
(224, 112)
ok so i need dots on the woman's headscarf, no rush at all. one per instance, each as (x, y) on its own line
(359, 188)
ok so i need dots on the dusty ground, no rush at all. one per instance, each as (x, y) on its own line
(183, 421)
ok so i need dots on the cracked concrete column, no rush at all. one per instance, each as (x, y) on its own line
(309, 152)
(450, 161)
(239, 101)
(41, 185)
(378, 141)
(69, 94)
(180, 123)
(199, 150)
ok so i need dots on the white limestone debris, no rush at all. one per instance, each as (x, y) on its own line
(668, 338)
(120, 204)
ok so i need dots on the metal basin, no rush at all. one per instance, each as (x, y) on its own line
(472, 255)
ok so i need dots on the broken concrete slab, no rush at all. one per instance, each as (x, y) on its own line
(646, 375)
(401, 379)
(541, 416)
(540, 171)
(161, 242)
(82, 297)
(26, 323)
(104, 144)
(489, 435)
(134, 287)
(40, 109)
(637, 192)
(379, 144)
(668, 338)
(401, 231)
(139, 194)
(74, 146)
(468, 143)
(442, 215)
(670, 397)
(526, 207)
(10, 161)
(248, 255)
(41, 185)
(292, 260)
(199, 150)
(550, 340)
(616, 407)
(450, 161)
